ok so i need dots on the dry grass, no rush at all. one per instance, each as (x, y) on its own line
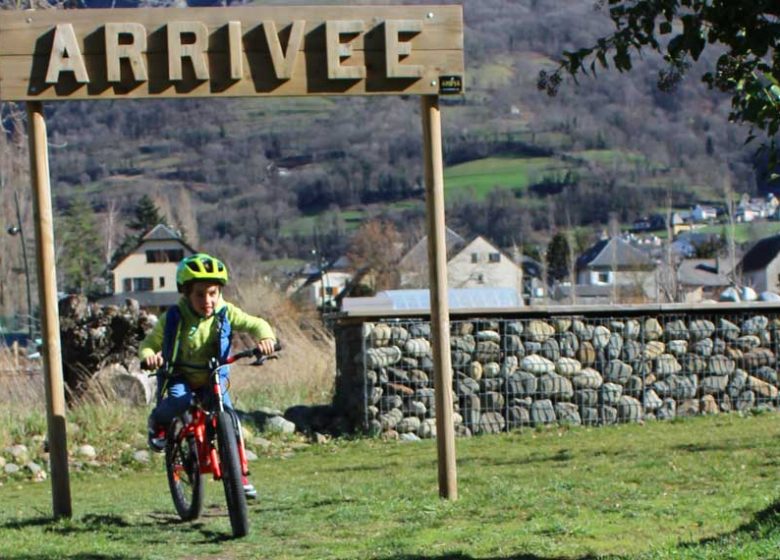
(305, 370)
(21, 380)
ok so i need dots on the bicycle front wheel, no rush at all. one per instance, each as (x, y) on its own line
(230, 465)
(184, 477)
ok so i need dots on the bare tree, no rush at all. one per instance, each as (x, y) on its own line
(614, 231)
(728, 193)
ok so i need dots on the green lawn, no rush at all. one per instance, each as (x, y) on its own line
(483, 175)
(705, 487)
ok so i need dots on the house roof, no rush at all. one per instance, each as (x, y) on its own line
(703, 272)
(761, 254)
(160, 232)
(418, 254)
(614, 252)
(419, 300)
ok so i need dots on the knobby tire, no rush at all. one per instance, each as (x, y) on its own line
(185, 480)
(230, 465)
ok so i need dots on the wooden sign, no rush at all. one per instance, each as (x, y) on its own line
(230, 52)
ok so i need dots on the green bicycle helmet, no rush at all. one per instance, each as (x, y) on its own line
(200, 267)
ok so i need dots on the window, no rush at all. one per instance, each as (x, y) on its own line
(164, 255)
(127, 285)
(603, 278)
(474, 257)
(494, 257)
(143, 284)
(162, 281)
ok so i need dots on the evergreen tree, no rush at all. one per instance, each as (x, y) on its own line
(80, 260)
(145, 216)
(558, 257)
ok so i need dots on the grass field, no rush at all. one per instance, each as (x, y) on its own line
(482, 176)
(700, 488)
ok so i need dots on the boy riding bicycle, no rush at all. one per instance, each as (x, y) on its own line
(198, 328)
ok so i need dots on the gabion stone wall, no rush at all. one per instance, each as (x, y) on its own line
(509, 373)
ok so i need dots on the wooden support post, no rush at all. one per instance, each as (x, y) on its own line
(50, 321)
(437, 271)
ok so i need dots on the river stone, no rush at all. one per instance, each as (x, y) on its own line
(586, 354)
(460, 359)
(632, 350)
(703, 347)
(609, 415)
(766, 373)
(532, 347)
(491, 423)
(694, 364)
(733, 353)
(568, 367)
(493, 384)
(426, 396)
(407, 425)
(474, 370)
(86, 451)
(758, 357)
(746, 401)
(417, 347)
(663, 389)
(582, 330)
(470, 409)
(397, 375)
(380, 335)
(720, 365)
(418, 378)
(465, 343)
(492, 400)
(375, 395)
(708, 405)
(652, 401)
(588, 378)
(555, 386)
(600, 337)
(615, 346)
(492, 336)
(718, 345)
(542, 412)
(539, 331)
(427, 428)
(629, 409)
(569, 344)
(676, 330)
(463, 328)
(688, 407)
(728, 330)
(420, 330)
(682, 387)
(510, 365)
(398, 389)
(390, 419)
(586, 397)
(738, 383)
(617, 372)
(567, 413)
(518, 416)
(491, 369)
(747, 342)
(488, 351)
(677, 347)
(390, 401)
(514, 328)
(653, 349)
(634, 386)
(667, 410)
(537, 364)
(551, 350)
(398, 336)
(521, 384)
(408, 363)
(725, 403)
(761, 388)
(701, 328)
(590, 416)
(632, 330)
(383, 357)
(561, 325)
(666, 365)
(514, 345)
(714, 384)
(652, 329)
(19, 453)
(610, 393)
(465, 385)
(755, 325)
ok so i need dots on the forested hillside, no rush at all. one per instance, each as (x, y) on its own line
(266, 179)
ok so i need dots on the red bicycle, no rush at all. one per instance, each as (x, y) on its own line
(207, 439)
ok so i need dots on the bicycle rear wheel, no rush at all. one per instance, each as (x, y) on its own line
(184, 477)
(230, 465)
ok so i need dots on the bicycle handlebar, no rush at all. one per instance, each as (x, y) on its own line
(248, 353)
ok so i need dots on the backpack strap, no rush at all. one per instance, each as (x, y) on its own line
(225, 334)
(170, 343)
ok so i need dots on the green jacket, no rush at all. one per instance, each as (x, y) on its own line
(199, 336)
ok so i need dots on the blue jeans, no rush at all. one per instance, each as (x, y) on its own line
(179, 395)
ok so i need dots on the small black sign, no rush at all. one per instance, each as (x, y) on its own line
(450, 84)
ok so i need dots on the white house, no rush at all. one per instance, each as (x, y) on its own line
(615, 262)
(760, 267)
(148, 272)
(479, 264)
(702, 213)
